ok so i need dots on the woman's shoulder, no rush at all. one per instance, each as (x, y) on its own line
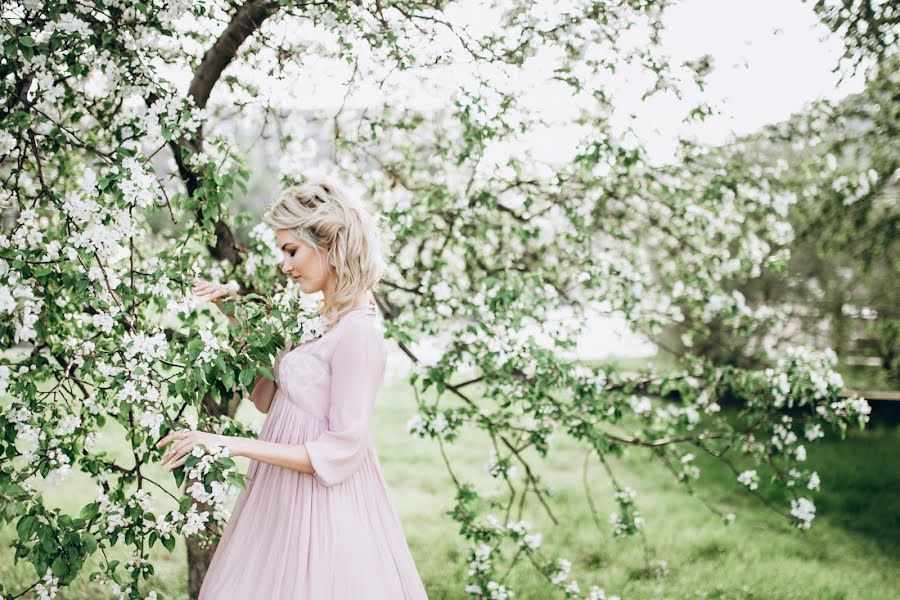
(358, 328)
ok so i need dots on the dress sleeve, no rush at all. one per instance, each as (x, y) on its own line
(357, 368)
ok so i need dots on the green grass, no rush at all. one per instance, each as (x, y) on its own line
(850, 552)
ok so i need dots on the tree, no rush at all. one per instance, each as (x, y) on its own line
(484, 244)
(840, 160)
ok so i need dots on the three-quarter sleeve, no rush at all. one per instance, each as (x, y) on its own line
(357, 368)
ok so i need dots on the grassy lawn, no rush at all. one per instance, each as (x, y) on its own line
(850, 552)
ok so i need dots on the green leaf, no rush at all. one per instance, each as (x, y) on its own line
(27, 41)
(89, 542)
(225, 462)
(59, 567)
(25, 527)
(228, 379)
(90, 511)
(179, 476)
(247, 376)
(169, 543)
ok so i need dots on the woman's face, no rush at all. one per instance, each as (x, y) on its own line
(300, 262)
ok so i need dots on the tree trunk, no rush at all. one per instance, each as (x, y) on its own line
(199, 556)
(198, 559)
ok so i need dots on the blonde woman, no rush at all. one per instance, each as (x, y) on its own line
(315, 520)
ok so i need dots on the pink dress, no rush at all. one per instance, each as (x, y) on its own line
(335, 534)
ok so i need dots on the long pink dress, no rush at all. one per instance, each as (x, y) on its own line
(335, 534)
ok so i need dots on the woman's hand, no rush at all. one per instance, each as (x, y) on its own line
(212, 291)
(185, 440)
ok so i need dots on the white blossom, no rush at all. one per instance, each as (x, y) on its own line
(804, 510)
(749, 478)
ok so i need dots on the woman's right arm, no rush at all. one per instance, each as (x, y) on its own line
(263, 393)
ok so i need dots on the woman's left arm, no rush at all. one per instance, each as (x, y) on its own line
(290, 456)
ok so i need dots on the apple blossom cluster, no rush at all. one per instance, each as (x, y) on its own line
(804, 511)
(784, 436)
(594, 379)
(217, 154)
(481, 565)
(213, 344)
(801, 370)
(171, 117)
(498, 468)
(137, 185)
(119, 591)
(480, 562)
(572, 589)
(47, 588)
(206, 456)
(52, 460)
(627, 520)
(19, 301)
(265, 249)
(445, 423)
(705, 402)
(688, 469)
(749, 478)
(794, 476)
(804, 377)
(852, 189)
(298, 315)
(214, 477)
(102, 227)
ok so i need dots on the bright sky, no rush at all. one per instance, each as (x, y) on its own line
(770, 57)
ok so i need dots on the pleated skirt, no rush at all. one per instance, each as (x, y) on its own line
(291, 537)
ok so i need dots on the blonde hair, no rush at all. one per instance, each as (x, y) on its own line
(325, 218)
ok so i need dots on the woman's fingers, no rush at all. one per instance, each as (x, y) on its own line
(178, 463)
(176, 454)
(177, 459)
(174, 435)
(210, 291)
(183, 446)
(180, 437)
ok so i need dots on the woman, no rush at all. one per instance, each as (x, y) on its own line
(315, 520)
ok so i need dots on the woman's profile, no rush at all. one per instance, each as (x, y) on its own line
(315, 520)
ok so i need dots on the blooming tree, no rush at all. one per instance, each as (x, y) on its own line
(486, 243)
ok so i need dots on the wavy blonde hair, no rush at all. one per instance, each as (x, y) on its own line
(323, 216)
